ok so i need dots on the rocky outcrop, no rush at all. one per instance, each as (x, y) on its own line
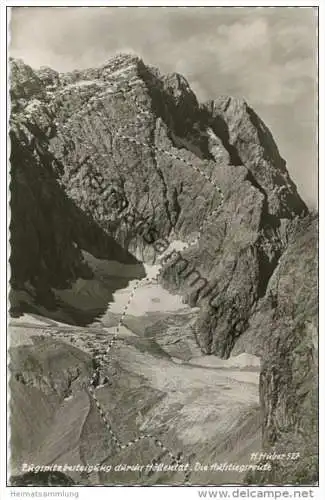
(50, 367)
(251, 144)
(125, 145)
(43, 376)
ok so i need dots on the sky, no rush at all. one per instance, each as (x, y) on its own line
(266, 55)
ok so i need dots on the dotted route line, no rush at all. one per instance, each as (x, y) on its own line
(176, 459)
(158, 442)
(94, 380)
(122, 135)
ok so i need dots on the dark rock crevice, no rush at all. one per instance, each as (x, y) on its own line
(220, 128)
(179, 110)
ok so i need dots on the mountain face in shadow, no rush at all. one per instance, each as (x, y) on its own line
(91, 148)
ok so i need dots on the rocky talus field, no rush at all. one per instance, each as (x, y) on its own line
(213, 350)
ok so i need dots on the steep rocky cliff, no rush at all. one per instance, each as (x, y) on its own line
(122, 145)
(284, 332)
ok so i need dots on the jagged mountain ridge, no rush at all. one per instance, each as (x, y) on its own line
(78, 118)
(107, 176)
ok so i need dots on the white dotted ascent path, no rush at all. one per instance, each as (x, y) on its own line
(91, 390)
(176, 458)
(156, 149)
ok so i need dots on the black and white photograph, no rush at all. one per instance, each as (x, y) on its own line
(162, 247)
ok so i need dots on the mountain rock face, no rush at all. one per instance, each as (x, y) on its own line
(48, 230)
(103, 157)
